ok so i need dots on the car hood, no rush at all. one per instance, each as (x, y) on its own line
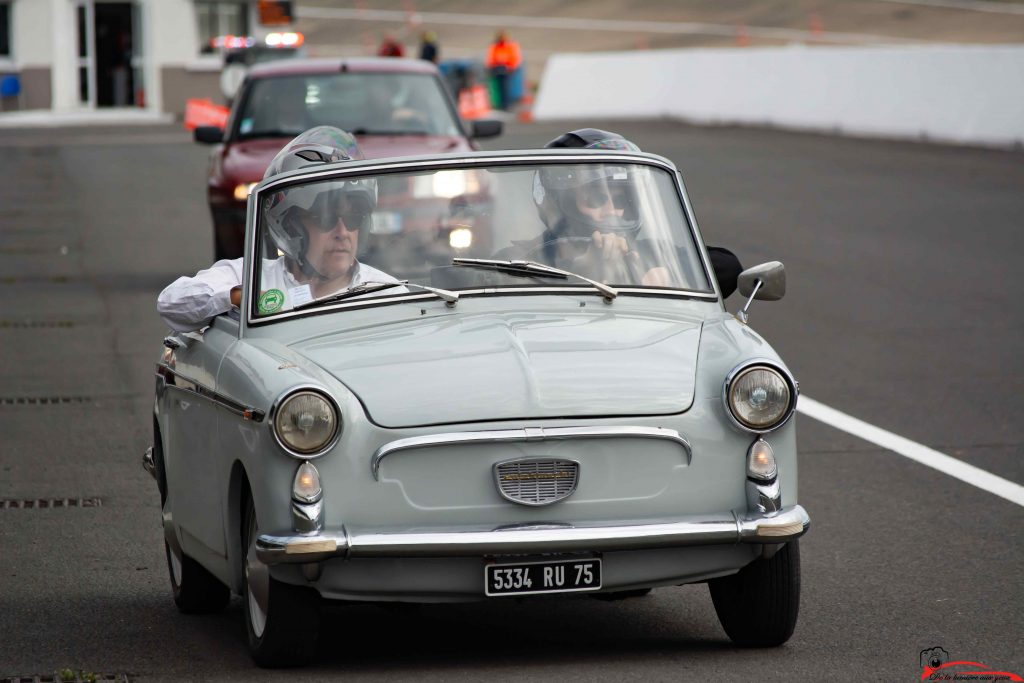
(246, 161)
(515, 366)
(381, 146)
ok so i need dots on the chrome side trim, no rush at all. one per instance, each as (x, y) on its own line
(718, 529)
(178, 381)
(527, 434)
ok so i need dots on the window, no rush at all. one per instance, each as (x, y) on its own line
(5, 29)
(220, 18)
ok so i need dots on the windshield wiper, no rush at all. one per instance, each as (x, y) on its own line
(370, 286)
(527, 268)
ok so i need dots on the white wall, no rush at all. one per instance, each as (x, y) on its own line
(63, 56)
(951, 93)
(31, 41)
(174, 34)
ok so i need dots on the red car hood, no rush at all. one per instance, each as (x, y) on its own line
(245, 162)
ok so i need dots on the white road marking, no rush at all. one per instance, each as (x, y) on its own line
(582, 24)
(915, 451)
(971, 5)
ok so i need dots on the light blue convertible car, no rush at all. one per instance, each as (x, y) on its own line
(529, 386)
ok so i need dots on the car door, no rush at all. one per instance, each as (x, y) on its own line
(194, 474)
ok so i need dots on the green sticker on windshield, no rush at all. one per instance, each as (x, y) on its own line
(271, 301)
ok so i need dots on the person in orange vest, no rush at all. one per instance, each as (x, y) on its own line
(503, 58)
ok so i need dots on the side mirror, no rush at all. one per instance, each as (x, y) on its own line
(764, 282)
(208, 135)
(486, 128)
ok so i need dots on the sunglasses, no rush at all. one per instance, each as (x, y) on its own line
(355, 220)
(353, 214)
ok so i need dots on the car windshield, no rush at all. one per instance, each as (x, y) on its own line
(493, 230)
(362, 103)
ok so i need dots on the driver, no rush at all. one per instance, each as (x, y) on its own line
(314, 227)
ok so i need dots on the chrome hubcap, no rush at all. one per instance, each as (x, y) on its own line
(257, 580)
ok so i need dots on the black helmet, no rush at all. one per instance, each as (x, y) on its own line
(560, 191)
(320, 145)
(593, 138)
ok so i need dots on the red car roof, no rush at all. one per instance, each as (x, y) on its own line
(297, 67)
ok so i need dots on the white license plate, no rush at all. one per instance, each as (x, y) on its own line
(556, 576)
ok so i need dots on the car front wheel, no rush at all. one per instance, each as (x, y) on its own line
(196, 591)
(758, 605)
(281, 620)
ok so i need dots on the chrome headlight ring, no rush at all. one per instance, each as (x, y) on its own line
(282, 401)
(760, 364)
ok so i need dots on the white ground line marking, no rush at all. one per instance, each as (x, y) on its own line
(915, 451)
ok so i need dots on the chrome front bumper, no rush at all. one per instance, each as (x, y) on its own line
(761, 528)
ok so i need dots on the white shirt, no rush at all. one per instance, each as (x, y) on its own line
(190, 303)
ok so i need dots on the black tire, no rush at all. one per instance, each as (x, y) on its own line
(283, 632)
(196, 591)
(158, 463)
(758, 606)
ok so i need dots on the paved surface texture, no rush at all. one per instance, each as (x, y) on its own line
(465, 28)
(902, 310)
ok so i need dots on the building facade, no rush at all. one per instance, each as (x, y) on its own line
(92, 55)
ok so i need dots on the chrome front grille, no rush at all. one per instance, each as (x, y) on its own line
(536, 481)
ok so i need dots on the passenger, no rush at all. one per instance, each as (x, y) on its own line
(592, 218)
(316, 229)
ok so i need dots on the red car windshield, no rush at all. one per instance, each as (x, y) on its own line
(365, 103)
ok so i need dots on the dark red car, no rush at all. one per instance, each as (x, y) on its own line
(394, 107)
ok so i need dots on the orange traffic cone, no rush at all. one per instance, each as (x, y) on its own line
(742, 39)
(525, 113)
(473, 102)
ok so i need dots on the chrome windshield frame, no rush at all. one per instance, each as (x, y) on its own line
(460, 161)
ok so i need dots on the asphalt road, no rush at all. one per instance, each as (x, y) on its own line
(902, 261)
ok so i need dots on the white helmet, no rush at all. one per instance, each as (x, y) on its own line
(321, 201)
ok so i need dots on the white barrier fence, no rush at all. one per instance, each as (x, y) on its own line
(949, 93)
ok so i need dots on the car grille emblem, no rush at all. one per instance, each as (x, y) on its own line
(536, 481)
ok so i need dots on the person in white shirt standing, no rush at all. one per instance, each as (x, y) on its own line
(315, 227)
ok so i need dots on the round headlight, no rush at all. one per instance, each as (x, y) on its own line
(306, 422)
(759, 397)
